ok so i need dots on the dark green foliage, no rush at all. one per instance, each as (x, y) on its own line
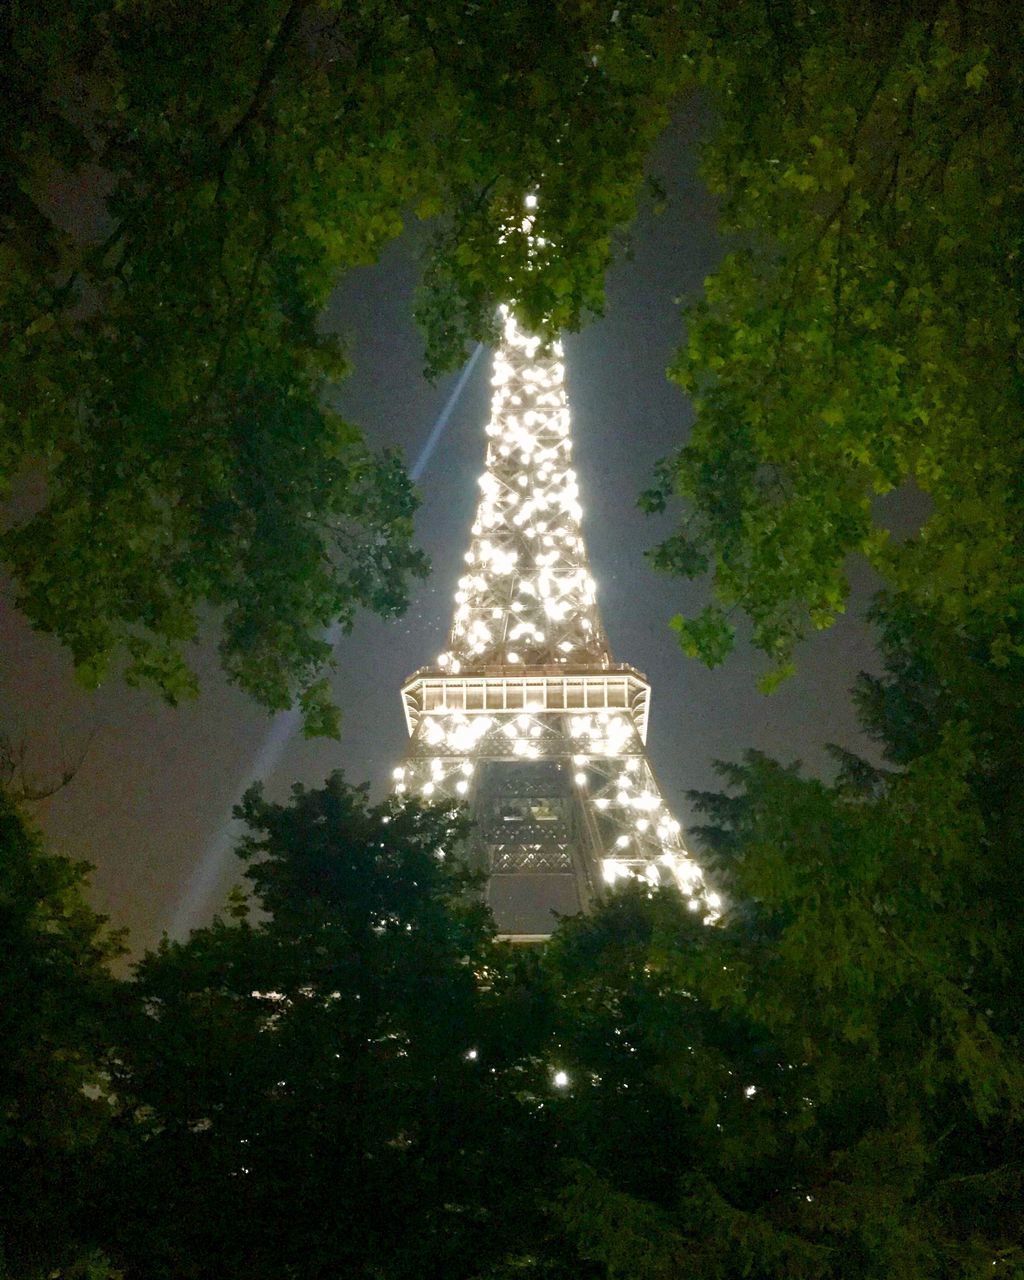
(863, 333)
(315, 1088)
(349, 1076)
(865, 982)
(181, 186)
(56, 1006)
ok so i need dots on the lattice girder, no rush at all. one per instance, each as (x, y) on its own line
(527, 596)
(622, 817)
(525, 717)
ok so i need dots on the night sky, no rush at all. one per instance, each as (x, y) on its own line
(150, 803)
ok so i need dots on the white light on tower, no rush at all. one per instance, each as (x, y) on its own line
(526, 699)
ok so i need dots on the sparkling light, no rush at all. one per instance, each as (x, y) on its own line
(529, 515)
(526, 600)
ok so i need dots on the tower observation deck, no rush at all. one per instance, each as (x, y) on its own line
(525, 716)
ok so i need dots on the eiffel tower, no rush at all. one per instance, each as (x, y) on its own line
(525, 716)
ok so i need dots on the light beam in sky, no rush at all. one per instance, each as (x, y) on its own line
(437, 430)
(209, 870)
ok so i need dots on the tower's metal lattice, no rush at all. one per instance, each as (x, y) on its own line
(525, 716)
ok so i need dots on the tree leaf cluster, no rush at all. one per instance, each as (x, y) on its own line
(181, 187)
(862, 335)
(348, 1074)
(57, 1001)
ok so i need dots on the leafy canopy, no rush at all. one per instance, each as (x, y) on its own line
(329, 1079)
(183, 185)
(830, 1082)
(863, 333)
(57, 1001)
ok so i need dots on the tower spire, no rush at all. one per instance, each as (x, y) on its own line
(525, 716)
(527, 596)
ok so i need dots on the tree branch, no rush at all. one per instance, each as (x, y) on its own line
(266, 79)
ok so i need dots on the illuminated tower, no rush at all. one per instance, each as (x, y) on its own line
(525, 716)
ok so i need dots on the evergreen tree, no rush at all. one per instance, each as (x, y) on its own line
(57, 1005)
(830, 1081)
(324, 1087)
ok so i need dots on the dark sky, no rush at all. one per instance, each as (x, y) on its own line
(150, 802)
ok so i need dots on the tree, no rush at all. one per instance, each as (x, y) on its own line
(57, 1000)
(863, 333)
(819, 1088)
(325, 1085)
(684, 1124)
(348, 1075)
(182, 186)
(830, 1082)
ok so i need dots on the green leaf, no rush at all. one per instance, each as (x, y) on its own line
(709, 636)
